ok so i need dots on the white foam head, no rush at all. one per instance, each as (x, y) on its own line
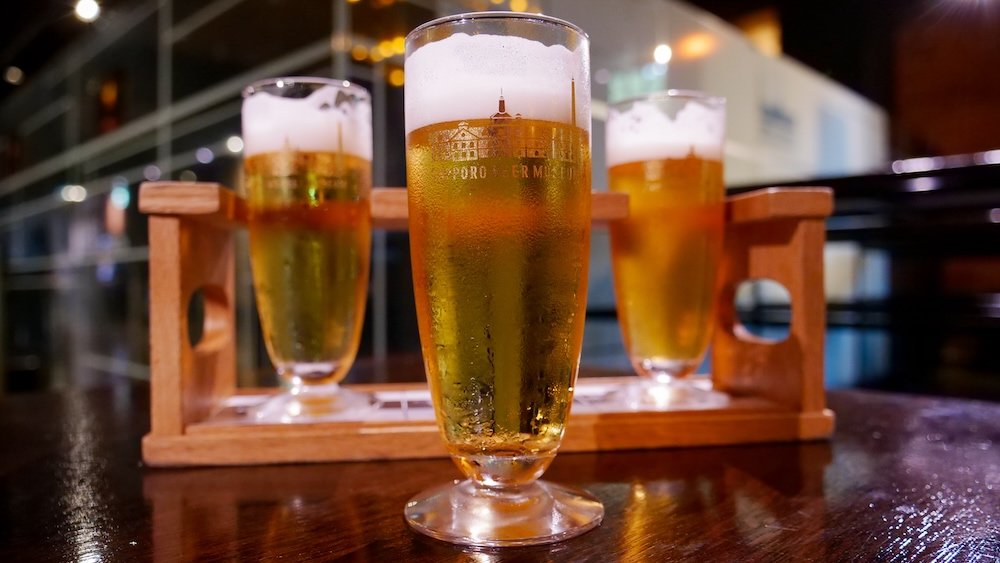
(644, 131)
(316, 123)
(462, 76)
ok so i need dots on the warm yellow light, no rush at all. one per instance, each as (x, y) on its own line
(353, 1)
(359, 52)
(639, 492)
(109, 94)
(396, 77)
(399, 44)
(696, 45)
(662, 53)
(497, 2)
(518, 5)
(763, 28)
(375, 55)
(87, 10)
(385, 48)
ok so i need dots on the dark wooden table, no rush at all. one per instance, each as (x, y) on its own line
(904, 478)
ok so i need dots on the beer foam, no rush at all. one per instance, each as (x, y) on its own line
(316, 123)
(645, 132)
(462, 77)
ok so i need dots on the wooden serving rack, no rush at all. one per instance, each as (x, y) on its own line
(776, 388)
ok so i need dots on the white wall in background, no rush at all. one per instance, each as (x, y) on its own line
(786, 121)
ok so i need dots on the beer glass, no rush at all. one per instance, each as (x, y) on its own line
(498, 174)
(307, 166)
(665, 151)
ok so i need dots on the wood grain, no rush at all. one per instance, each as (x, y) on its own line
(777, 235)
(390, 211)
(189, 255)
(207, 201)
(214, 202)
(769, 204)
(903, 479)
(777, 387)
(745, 420)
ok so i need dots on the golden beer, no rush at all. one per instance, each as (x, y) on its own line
(310, 226)
(500, 242)
(500, 227)
(665, 257)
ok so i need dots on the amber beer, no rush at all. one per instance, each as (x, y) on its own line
(499, 203)
(309, 223)
(499, 233)
(665, 257)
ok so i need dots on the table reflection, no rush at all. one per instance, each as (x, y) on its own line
(661, 504)
(689, 502)
(255, 513)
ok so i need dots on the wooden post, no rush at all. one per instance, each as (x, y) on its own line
(775, 234)
(191, 249)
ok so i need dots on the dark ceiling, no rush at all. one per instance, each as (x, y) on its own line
(852, 41)
(35, 31)
(832, 37)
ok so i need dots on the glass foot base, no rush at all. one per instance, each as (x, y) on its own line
(314, 403)
(677, 394)
(468, 514)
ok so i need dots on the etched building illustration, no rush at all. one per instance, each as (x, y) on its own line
(506, 136)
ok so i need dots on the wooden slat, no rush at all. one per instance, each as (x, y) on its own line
(744, 420)
(414, 440)
(607, 207)
(389, 209)
(187, 255)
(211, 201)
(203, 200)
(166, 326)
(779, 203)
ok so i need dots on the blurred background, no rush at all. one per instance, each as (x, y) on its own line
(896, 104)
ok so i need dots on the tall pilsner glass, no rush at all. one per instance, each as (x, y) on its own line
(308, 150)
(665, 151)
(498, 171)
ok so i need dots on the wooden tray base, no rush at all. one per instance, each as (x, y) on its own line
(406, 429)
(776, 387)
